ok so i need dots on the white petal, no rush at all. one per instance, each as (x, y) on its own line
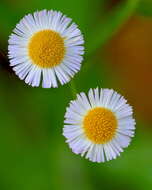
(75, 133)
(18, 48)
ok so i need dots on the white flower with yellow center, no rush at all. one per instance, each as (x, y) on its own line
(99, 126)
(46, 47)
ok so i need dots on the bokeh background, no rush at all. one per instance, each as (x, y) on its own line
(33, 152)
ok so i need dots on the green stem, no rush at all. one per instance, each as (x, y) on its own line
(106, 30)
(111, 25)
(73, 89)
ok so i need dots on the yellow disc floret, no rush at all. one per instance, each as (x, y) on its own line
(100, 125)
(46, 48)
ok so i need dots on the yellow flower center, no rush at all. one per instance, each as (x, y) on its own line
(100, 125)
(46, 48)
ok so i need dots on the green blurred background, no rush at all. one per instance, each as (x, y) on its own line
(33, 152)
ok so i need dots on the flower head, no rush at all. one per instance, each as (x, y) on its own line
(100, 125)
(46, 45)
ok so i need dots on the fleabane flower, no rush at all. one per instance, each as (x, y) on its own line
(99, 126)
(46, 47)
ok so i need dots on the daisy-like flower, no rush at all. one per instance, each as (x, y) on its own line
(46, 46)
(100, 125)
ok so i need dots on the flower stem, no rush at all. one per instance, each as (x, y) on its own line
(73, 89)
(107, 29)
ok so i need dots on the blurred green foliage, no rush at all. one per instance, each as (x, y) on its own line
(145, 7)
(34, 155)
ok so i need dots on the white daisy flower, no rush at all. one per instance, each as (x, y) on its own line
(100, 125)
(46, 47)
